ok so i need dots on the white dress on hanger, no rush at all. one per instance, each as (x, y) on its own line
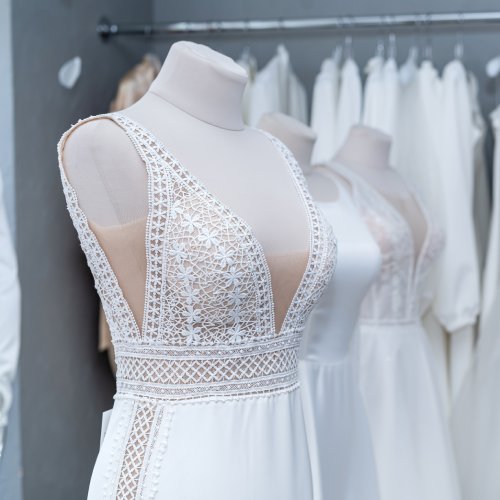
(458, 283)
(339, 439)
(476, 416)
(324, 111)
(10, 316)
(207, 405)
(416, 155)
(373, 98)
(411, 439)
(382, 93)
(276, 88)
(350, 101)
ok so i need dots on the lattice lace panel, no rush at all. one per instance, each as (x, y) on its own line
(144, 441)
(166, 372)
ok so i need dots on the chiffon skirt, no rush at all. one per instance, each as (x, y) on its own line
(250, 448)
(411, 438)
(339, 439)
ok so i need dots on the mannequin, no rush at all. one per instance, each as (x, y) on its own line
(396, 375)
(193, 107)
(337, 429)
(301, 139)
(366, 151)
(217, 244)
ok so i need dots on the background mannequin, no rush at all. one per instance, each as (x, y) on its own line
(396, 372)
(194, 107)
(366, 151)
(301, 139)
(337, 428)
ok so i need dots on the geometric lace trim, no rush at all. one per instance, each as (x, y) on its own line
(177, 374)
(142, 455)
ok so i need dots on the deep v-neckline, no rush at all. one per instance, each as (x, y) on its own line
(307, 203)
(417, 257)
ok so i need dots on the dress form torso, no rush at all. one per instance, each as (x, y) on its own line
(194, 106)
(366, 151)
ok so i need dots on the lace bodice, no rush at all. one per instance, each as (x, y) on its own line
(397, 294)
(208, 327)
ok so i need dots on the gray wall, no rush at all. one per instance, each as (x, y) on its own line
(309, 49)
(10, 463)
(66, 384)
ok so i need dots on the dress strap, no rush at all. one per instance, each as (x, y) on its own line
(118, 313)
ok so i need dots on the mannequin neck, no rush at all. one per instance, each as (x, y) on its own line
(365, 148)
(205, 84)
(294, 134)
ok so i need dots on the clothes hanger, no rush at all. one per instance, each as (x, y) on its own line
(391, 46)
(410, 66)
(347, 49)
(380, 48)
(348, 52)
(459, 43)
(428, 55)
(337, 54)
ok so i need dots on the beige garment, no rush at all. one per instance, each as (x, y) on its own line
(130, 89)
(136, 83)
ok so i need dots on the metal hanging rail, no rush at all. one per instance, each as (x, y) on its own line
(107, 29)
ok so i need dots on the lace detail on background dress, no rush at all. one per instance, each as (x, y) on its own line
(395, 296)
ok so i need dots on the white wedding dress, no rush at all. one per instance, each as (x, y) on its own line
(207, 405)
(339, 439)
(411, 439)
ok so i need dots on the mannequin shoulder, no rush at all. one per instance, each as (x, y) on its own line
(94, 137)
(95, 143)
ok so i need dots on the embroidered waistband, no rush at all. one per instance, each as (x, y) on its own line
(176, 373)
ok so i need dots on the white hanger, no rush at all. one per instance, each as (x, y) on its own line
(348, 47)
(392, 47)
(380, 48)
(409, 67)
(337, 54)
(493, 67)
(428, 41)
(459, 44)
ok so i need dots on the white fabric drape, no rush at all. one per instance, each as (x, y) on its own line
(476, 415)
(350, 100)
(324, 111)
(382, 92)
(276, 88)
(458, 295)
(10, 315)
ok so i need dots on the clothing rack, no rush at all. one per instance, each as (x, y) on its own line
(107, 29)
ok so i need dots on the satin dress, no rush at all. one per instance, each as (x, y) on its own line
(339, 439)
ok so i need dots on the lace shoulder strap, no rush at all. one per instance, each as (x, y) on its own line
(322, 247)
(118, 313)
